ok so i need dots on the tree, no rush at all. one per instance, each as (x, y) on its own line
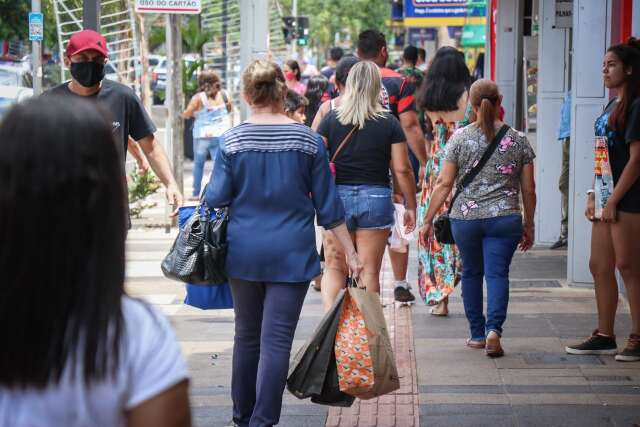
(347, 18)
(13, 19)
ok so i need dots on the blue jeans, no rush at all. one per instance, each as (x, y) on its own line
(202, 146)
(486, 248)
(367, 206)
(266, 316)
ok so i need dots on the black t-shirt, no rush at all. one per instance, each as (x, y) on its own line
(128, 116)
(365, 158)
(619, 153)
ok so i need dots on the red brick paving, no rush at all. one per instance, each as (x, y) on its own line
(400, 408)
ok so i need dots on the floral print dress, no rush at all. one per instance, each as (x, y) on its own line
(439, 265)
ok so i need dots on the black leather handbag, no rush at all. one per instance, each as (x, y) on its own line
(442, 224)
(199, 252)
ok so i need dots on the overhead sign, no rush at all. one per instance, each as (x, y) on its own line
(439, 9)
(564, 14)
(36, 26)
(169, 6)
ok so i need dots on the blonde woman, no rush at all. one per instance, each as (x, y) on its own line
(363, 139)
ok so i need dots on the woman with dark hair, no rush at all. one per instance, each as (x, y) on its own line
(443, 97)
(615, 212)
(316, 94)
(265, 171)
(293, 75)
(486, 218)
(76, 350)
(213, 110)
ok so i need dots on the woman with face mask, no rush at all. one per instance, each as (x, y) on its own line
(293, 75)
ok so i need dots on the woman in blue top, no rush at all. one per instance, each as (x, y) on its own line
(273, 174)
(614, 209)
(212, 110)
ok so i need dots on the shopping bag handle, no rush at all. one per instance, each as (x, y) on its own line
(352, 282)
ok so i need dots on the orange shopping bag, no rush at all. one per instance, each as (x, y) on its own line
(365, 361)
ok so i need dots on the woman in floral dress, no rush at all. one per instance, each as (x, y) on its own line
(443, 96)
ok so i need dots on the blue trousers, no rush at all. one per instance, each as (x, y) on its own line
(202, 147)
(486, 248)
(266, 316)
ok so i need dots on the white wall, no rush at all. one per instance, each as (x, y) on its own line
(591, 37)
(553, 82)
(509, 58)
(635, 20)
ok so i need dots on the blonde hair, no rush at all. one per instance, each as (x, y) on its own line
(264, 84)
(485, 95)
(361, 99)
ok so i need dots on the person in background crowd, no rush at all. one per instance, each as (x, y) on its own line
(363, 140)
(443, 96)
(213, 110)
(294, 106)
(478, 70)
(614, 236)
(316, 94)
(342, 72)
(421, 63)
(486, 219)
(409, 69)
(266, 181)
(564, 136)
(77, 351)
(397, 96)
(293, 75)
(308, 70)
(329, 70)
(85, 56)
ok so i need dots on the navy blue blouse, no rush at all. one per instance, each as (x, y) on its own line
(275, 179)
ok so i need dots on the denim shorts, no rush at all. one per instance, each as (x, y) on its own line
(367, 207)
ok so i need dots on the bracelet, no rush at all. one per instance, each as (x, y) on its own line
(591, 191)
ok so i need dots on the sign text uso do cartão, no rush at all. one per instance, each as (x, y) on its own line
(169, 6)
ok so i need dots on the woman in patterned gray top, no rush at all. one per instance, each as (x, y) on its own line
(487, 219)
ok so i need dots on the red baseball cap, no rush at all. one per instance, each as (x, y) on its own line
(87, 40)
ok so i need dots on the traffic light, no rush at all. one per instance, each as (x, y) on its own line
(302, 30)
(289, 28)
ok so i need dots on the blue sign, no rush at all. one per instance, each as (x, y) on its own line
(36, 26)
(438, 9)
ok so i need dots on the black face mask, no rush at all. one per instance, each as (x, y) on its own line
(88, 74)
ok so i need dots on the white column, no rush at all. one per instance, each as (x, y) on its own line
(553, 82)
(509, 59)
(254, 34)
(591, 37)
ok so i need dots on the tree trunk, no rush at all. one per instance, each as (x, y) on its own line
(145, 78)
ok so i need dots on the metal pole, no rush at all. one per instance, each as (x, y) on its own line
(225, 29)
(175, 97)
(294, 12)
(36, 52)
(91, 15)
(254, 33)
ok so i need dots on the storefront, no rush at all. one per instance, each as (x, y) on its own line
(573, 35)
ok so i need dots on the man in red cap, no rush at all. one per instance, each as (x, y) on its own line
(86, 56)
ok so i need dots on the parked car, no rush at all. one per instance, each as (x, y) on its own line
(15, 86)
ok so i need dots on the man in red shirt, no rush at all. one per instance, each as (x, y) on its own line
(398, 97)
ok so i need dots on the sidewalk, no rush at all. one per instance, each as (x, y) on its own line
(535, 384)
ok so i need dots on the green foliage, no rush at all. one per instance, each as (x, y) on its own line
(193, 38)
(141, 187)
(189, 80)
(349, 18)
(14, 19)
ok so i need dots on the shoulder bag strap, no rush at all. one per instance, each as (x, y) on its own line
(468, 178)
(343, 143)
(225, 99)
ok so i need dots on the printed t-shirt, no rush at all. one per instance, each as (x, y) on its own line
(364, 160)
(128, 116)
(496, 188)
(619, 154)
(397, 93)
(150, 363)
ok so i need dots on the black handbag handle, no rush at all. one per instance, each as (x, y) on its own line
(469, 177)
